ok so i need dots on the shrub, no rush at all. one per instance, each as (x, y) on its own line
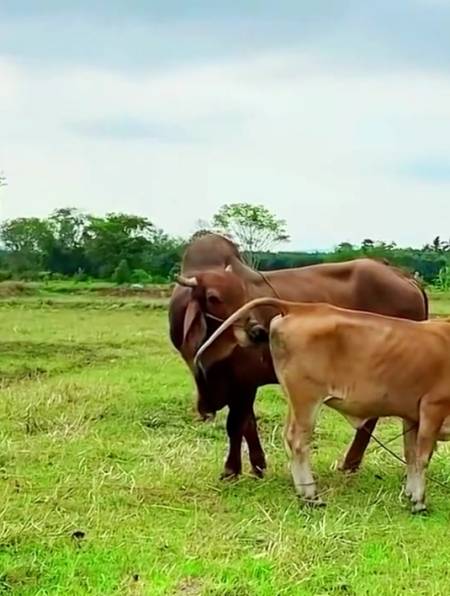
(5, 275)
(29, 275)
(140, 276)
(80, 275)
(58, 277)
(45, 275)
(159, 279)
(442, 281)
(122, 274)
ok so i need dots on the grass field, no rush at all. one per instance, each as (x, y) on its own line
(110, 486)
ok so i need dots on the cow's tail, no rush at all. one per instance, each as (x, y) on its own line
(281, 305)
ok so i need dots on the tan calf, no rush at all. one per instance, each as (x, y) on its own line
(364, 366)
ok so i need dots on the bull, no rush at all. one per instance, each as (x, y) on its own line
(215, 282)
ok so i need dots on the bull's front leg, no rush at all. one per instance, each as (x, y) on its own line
(355, 452)
(241, 422)
(255, 450)
(235, 431)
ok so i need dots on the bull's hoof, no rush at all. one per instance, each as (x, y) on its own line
(229, 474)
(259, 471)
(348, 467)
(206, 417)
(419, 508)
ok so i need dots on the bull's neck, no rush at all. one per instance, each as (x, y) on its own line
(261, 288)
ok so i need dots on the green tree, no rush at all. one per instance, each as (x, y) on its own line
(437, 245)
(118, 237)
(254, 227)
(67, 255)
(28, 241)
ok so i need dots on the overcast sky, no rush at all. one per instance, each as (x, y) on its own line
(334, 114)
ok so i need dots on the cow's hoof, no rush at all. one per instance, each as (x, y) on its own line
(419, 508)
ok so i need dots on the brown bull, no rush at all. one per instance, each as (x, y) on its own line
(212, 293)
(364, 366)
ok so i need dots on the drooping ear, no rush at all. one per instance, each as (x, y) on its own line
(194, 328)
(219, 350)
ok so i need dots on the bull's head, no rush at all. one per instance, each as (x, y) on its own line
(215, 295)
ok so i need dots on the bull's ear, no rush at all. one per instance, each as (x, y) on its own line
(194, 327)
(219, 350)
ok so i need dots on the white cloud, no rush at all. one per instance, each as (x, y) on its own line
(323, 147)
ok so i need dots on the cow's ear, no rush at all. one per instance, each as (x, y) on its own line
(194, 327)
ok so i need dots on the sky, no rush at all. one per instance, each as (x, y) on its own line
(334, 115)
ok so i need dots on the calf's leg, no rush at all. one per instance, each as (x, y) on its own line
(430, 422)
(410, 446)
(298, 433)
(355, 452)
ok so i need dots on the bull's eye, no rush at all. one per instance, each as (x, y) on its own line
(214, 300)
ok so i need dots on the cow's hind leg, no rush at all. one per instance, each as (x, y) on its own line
(355, 452)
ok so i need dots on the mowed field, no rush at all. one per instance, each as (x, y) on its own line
(109, 485)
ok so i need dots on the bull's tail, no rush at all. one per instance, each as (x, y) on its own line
(281, 305)
(426, 301)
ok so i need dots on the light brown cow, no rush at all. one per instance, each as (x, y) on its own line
(363, 365)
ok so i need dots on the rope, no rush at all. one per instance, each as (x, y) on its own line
(267, 282)
(397, 457)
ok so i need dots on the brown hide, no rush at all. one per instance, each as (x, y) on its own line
(362, 284)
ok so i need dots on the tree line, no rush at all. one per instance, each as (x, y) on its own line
(129, 248)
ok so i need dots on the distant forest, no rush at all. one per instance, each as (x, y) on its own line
(131, 249)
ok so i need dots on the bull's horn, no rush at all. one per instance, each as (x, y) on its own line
(243, 270)
(189, 282)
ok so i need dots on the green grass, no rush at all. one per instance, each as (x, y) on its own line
(109, 485)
